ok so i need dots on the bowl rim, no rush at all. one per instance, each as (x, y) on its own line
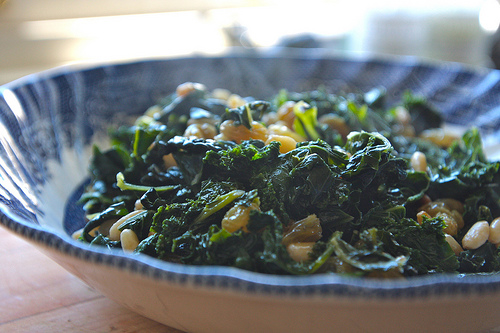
(263, 52)
(331, 286)
(235, 280)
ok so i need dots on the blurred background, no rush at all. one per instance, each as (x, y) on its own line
(37, 35)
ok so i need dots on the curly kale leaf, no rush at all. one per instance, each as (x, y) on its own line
(314, 186)
(464, 170)
(188, 153)
(130, 147)
(194, 216)
(290, 184)
(379, 181)
(259, 250)
(253, 166)
(429, 251)
(368, 151)
(483, 259)
(369, 254)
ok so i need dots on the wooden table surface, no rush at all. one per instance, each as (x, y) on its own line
(37, 295)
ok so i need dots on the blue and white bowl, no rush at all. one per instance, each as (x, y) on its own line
(49, 121)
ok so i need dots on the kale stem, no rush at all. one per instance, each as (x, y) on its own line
(123, 185)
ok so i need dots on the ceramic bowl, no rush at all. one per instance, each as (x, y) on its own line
(49, 121)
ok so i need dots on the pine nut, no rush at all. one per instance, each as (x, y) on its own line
(402, 115)
(476, 236)
(75, 235)
(114, 232)
(220, 93)
(201, 130)
(238, 133)
(281, 129)
(453, 244)
(287, 143)
(418, 161)
(495, 231)
(300, 251)
(129, 240)
(285, 113)
(138, 204)
(234, 101)
(335, 122)
(439, 136)
(187, 87)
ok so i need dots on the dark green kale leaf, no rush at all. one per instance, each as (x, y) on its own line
(378, 179)
(324, 102)
(429, 251)
(423, 114)
(169, 222)
(105, 166)
(113, 212)
(246, 164)
(193, 217)
(182, 106)
(188, 153)
(314, 187)
(140, 223)
(368, 150)
(290, 184)
(102, 191)
(105, 241)
(368, 255)
(130, 146)
(465, 171)
(360, 187)
(486, 258)
(240, 162)
(148, 245)
(259, 250)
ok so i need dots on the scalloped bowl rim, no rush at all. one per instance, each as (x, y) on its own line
(238, 280)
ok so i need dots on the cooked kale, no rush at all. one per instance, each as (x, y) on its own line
(349, 203)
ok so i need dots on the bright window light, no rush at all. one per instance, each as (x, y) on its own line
(131, 36)
(489, 16)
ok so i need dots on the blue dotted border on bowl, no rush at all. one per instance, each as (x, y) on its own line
(236, 280)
